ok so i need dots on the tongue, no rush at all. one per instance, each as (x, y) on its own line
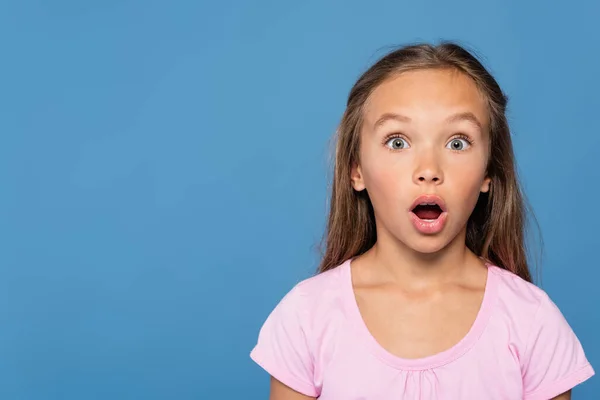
(427, 212)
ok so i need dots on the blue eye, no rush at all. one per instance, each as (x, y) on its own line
(458, 144)
(397, 143)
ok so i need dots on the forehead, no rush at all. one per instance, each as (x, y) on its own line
(429, 94)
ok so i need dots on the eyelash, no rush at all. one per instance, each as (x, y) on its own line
(399, 136)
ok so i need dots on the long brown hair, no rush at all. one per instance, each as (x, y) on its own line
(495, 229)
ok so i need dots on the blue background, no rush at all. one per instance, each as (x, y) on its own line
(164, 170)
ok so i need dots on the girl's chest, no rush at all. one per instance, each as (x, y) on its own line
(356, 372)
(420, 327)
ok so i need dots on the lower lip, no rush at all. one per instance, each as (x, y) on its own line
(429, 227)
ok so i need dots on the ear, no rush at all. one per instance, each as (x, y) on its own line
(485, 185)
(356, 177)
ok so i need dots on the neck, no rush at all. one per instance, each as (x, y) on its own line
(397, 263)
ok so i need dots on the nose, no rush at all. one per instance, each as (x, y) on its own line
(428, 170)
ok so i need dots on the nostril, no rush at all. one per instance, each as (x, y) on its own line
(434, 179)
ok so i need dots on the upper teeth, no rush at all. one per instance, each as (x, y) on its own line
(428, 204)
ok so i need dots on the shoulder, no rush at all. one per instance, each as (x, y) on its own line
(516, 293)
(317, 297)
(323, 284)
(297, 338)
(519, 304)
(550, 355)
(312, 304)
(533, 318)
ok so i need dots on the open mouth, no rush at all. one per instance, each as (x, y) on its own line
(429, 214)
(427, 211)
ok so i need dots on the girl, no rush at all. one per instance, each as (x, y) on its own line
(424, 291)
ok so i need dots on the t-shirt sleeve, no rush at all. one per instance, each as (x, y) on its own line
(554, 361)
(283, 349)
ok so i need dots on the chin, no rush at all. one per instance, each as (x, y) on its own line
(428, 245)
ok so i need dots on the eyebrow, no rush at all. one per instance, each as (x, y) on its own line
(462, 116)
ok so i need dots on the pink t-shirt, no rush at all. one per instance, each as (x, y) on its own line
(519, 347)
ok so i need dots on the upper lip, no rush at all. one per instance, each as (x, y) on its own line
(429, 198)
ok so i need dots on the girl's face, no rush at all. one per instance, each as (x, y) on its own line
(425, 132)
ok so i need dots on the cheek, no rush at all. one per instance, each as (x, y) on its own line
(465, 181)
(468, 190)
(385, 179)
